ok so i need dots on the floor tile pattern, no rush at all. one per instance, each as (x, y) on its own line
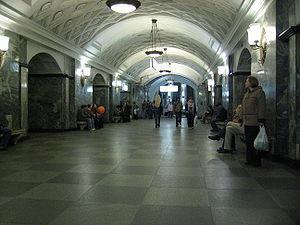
(135, 174)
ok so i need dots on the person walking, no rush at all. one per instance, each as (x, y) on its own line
(254, 107)
(191, 111)
(178, 111)
(157, 110)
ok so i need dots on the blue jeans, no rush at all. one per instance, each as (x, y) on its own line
(91, 124)
(6, 136)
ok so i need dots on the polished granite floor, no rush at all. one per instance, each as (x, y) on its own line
(135, 174)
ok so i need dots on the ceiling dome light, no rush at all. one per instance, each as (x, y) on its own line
(123, 6)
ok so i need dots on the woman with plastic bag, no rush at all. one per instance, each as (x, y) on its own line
(254, 106)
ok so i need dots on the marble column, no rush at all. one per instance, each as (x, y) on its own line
(218, 94)
(239, 79)
(282, 79)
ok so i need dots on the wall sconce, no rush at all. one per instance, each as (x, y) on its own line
(84, 73)
(4, 44)
(210, 84)
(221, 70)
(257, 40)
(116, 83)
(124, 87)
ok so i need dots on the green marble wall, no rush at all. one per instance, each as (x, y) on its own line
(10, 77)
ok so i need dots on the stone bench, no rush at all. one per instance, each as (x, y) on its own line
(82, 124)
(16, 135)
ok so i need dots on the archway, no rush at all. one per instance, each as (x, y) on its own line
(101, 94)
(186, 88)
(240, 76)
(45, 94)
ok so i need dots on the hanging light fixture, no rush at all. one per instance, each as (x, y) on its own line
(153, 37)
(166, 65)
(123, 6)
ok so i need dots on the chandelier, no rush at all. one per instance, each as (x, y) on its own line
(153, 38)
(123, 6)
(166, 65)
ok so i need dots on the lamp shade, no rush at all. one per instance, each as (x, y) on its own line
(254, 33)
(4, 43)
(221, 70)
(123, 6)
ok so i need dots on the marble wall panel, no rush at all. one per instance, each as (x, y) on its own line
(282, 81)
(239, 88)
(45, 102)
(298, 88)
(225, 92)
(10, 78)
(218, 94)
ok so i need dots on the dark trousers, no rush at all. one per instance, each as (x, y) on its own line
(157, 117)
(190, 120)
(214, 125)
(99, 123)
(252, 155)
(178, 118)
(6, 137)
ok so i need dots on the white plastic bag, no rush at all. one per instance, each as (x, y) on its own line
(261, 142)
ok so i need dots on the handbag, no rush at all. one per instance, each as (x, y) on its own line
(261, 142)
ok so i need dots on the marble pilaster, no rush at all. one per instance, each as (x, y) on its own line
(10, 78)
(282, 80)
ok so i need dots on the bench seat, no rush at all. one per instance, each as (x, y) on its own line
(16, 135)
(82, 124)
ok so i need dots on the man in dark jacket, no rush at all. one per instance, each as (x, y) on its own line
(220, 115)
(191, 112)
(4, 131)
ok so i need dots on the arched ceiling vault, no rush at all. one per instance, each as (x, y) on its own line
(195, 27)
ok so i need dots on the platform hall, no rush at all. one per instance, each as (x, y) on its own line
(149, 112)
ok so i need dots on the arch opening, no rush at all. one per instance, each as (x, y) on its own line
(239, 78)
(46, 93)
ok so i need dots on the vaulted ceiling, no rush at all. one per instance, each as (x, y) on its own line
(194, 31)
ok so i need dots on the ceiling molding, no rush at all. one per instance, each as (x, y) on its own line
(15, 22)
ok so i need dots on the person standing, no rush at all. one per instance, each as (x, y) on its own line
(135, 111)
(178, 111)
(254, 107)
(170, 109)
(191, 111)
(157, 110)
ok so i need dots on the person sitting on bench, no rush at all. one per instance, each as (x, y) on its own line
(220, 115)
(228, 133)
(5, 132)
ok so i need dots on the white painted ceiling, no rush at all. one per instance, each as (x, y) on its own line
(192, 30)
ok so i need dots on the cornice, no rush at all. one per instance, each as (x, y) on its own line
(18, 23)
